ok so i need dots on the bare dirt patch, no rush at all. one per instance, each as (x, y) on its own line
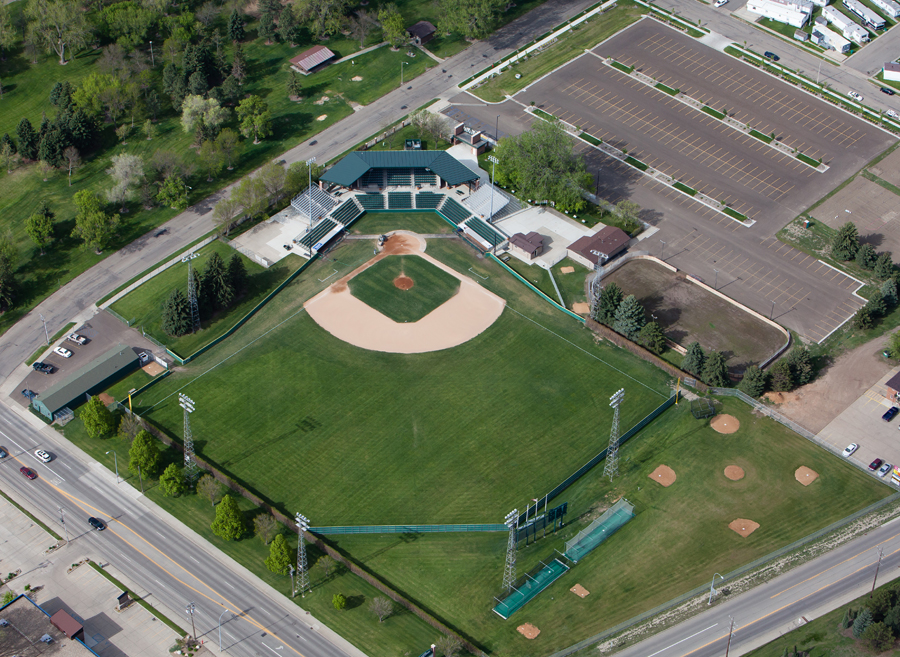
(153, 368)
(106, 399)
(322, 117)
(580, 591)
(356, 78)
(743, 526)
(567, 270)
(663, 475)
(734, 472)
(321, 101)
(528, 630)
(805, 475)
(725, 423)
(581, 308)
(872, 209)
(403, 282)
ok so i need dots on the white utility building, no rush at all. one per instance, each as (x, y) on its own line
(792, 12)
(891, 71)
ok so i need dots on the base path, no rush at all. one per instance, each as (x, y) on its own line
(466, 314)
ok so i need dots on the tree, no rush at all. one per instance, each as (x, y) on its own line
(327, 565)
(541, 164)
(171, 481)
(323, 17)
(195, 108)
(255, 119)
(251, 195)
(7, 30)
(73, 160)
(272, 176)
(176, 314)
(237, 274)
(235, 26)
(629, 319)
(7, 281)
(8, 156)
(92, 224)
(360, 25)
(198, 85)
(225, 212)
(279, 559)
(782, 379)
(338, 601)
(881, 602)
(228, 142)
(693, 360)
(651, 336)
(267, 28)
(862, 621)
(288, 29)
(215, 284)
(211, 489)
(98, 420)
(265, 526)
(892, 619)
(846, 242)
(173, 193)
(294, 87)
(715, 369)
(846, 621)
(866, 256)
(381, 607)
(128, 23)
(39, 225)
(474, 19)
(229, 522)
(754, 381)
(239, 65)
(143, 453)
(207, 13)
(122, 133)
(212, 158)
(863, 319)
(57, 25)
(127, 171)
(429, 124)
(884, 266)
(129, 426)
(800, 362)
(28, 140)
(610, 299)
(392, 26)
(297, 177)
(449, 645)
(878, 637)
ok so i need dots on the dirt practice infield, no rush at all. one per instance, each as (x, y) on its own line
(725, 423)
(805, 475)
(734, 472)
(403, 283)
(580, 591)
(528, 630)
(663, 475)
(153, 368)
(743, 526)
(581, 308)
(467, 314)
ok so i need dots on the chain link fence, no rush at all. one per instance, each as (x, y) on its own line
(118, 317)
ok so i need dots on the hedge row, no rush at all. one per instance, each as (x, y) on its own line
(684, 188)
(637, 164)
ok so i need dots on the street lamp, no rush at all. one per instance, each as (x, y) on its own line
(46, 334)
(220, 628)
(662, 250)
(309, 164)
(189, 609)
(712, 587)
(402, 64)
(62, 518)
(116, 458)
(716, 284)
(293, 590)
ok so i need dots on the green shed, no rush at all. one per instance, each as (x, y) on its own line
(93, 378)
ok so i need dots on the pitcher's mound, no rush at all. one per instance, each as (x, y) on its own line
(581, 308)
(743, 526)
(805, 475)
(725, 423)
(580, 591)
(663, 475)
(403, 282)
(734, 472)
(528, 630)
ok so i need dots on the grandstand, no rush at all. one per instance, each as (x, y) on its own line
(399, 178)
(317, 235)
(428, 200)
(488, 234)
(454, 211)
(371, 201)
(313, 203)
(400, 200)
(364, 169)
(347, 212)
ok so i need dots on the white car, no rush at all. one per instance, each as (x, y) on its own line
(719, 3)
(892, 114)
(856, 96)
(62, 351)
(884, 469)
(77, 339)
(852, 447)
(42, 456)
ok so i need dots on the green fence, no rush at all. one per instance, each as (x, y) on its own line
(533, 288)
(529, 587)
(407, 529)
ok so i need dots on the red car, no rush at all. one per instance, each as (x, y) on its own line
(874, 465)
(28, 472)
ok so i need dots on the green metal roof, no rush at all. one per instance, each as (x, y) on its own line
(118, 359)
(351, 168)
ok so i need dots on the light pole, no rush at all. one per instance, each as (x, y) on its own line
(116, 458)
(62, 518)
(402, 64)
(141, 477)
(494, 162)
(712, 588)
(716, 284)
(302, 570)
(662, 250)
(152, 60)
(309, 164)
(220, 628)
(293, 590)
(46, 334)
(730, 634)
(772, 314)
(189, 609)
(497, 129)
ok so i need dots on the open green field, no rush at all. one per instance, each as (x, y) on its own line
(571, 285)
(377, 223)
(143, 305)
(431, 287)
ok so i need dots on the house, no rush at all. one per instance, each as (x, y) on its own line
(595, 250)
(892, 387)
(421, 33)
(312, 60)
(792, 12)
(526, 247)
(891, 71)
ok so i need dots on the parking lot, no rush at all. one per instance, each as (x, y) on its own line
(871, 207)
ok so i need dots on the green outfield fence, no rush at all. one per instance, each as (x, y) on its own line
(408, 529)
(533, 288)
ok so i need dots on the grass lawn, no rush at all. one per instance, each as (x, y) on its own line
(570, 45)
(570, 285)
(431, 287)
(143, 305)
(377, 223)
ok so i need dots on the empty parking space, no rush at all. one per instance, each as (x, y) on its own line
(873, 209)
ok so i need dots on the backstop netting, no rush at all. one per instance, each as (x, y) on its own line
(702, 408)
(528, 588)
(599, 530)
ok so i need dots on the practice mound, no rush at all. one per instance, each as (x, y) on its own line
(403, 282)
(567, 270)
(528, 630)
(725, 423)
(153, 368)
(581, 308)
(580, 591)
(663, 475)
(805, 475)
(743, 526)
(734, 472)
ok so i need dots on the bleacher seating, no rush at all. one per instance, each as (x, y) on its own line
(400, 177)
(315, 200)
(428, 200)
(484, 231)
(371, 201)
(372, 177)
(317, 233)
(400, 200)
(454, 211)
(347, 212)
(423, 177)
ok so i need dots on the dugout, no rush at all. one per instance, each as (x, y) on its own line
(93, 378)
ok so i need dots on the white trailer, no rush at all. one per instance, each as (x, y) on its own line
(846, 25)
(869, 18)
(889, 7)
(792, 12)
(830, 39)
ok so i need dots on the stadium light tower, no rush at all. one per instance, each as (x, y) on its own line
(494, 163)
(509, 571)
(612, 453)
(309, 164)
(302, 567)
(192, 293)
(190, 466)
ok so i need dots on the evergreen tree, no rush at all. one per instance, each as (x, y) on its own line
(215, 282)
(237, 275)
(629, 318)
(197, 85)
(846, 242)
(229, 522)
(171, 75)
(754, 381)
(651, 337)
(229, 91)
(801, 365)
(693, 360)
(171, 481)
(294, 87)
(884, 265)
(881, 603)
(782, 379)
(878, 637)
(287, 26)
(28, 140)
(866, 256)
(176, 314)
(239, 65)
(892, 619)
(39, 225)
(889, 293)
(877, 307)
(845, 620)
(236, 26)
(715, 370)
(52, 145)
(279, 559)
(61, 94)
(143, 453)
(610, 299)
(267, 29)
(863, 319)
(98, 420)
(863, 620)
(45, 127)
(6, 139)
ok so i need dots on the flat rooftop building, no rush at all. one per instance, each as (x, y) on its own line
(792, 12)
(26, 630)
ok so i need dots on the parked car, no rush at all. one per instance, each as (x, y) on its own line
(889, 92)
(3, 453)
(883, 470)
(893, 115)
(720, 3)
(42, 456)
(28, 472)
(77, 339)
(852, 447)
(890, 413)
(874, 465)
(44, 368)
(97, 524)
(771, 55)
(856, 96)
(62, 351)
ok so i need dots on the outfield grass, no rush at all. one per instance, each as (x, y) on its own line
(570, 285)
(143, 305)
(378, 223)
(431, 287)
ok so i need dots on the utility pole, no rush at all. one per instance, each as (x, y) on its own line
(141, 477)
(62, 518)
(220, 629)
(190, 610)
(509, 571)
(877, 567)
(730, 633)
(190, 466)
(46, 334)
(611, 469)
(116, 458)
(302, 567)
(402, 64)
